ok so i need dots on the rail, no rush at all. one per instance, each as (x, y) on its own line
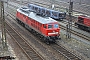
(69, 55)
(30, 52)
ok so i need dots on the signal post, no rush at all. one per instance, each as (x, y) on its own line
(69, 25)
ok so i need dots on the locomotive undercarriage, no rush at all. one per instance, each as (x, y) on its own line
(47, 40)
(83, 27)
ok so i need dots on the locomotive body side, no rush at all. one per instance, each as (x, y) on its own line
(83, 23)
(87, 21)
(46, 27)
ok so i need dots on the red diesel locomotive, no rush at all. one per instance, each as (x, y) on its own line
(83, 22)
(46, 27)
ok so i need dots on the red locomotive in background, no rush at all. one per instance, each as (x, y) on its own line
(46, 27)
(83, 22)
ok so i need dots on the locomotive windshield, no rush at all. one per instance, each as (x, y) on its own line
(56, 25)
(53, 26)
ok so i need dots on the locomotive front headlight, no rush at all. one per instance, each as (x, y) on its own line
(53, 31)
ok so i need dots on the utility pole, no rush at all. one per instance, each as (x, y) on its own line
(69, 25)
(7, 3)
(80, 2)
(3, 36)
(21, 1)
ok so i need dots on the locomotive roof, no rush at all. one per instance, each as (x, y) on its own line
(43, 20)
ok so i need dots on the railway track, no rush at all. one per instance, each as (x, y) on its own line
(38, 43)
(72, 31)
(47, 5)
(77, 33)
(65, 52)
(56, 3)
(21, 42)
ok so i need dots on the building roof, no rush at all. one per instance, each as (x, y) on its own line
(43, 20)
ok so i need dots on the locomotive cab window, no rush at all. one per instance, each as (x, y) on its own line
(50, 26)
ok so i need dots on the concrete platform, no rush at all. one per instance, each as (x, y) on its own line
(7, 50)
